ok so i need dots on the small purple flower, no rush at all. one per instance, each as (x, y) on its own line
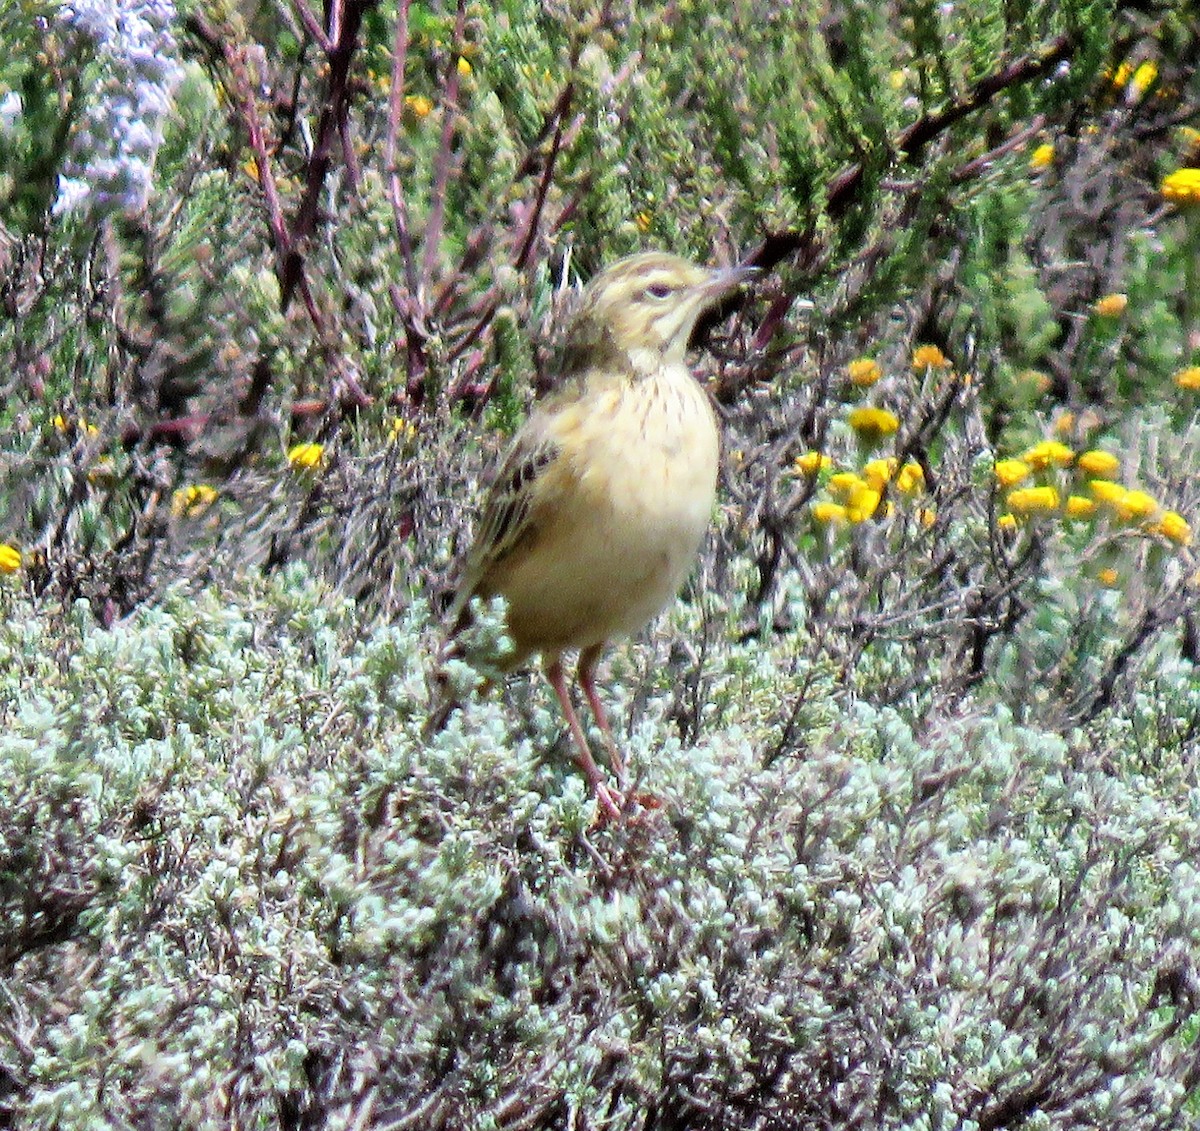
(111, 164)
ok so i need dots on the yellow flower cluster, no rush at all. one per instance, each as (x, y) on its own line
(401, 431)
(857, 495)
(1080, 506)
(864, 372)
(1010, 472)
(10, 558)
(1042, 157)
(812, 463)
(67, 426)
(193, 500)
(1135, 80)
(1181, 187)
(1111, 306)
(1032, 500)
(306, 457)
(1101, 464)
(1099, 468)
(1049, 453)
(418, 105)
(873, 423)
(1188, 378)
(1174, 527)
(929, 357)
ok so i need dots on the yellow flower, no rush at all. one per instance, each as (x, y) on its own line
(1042, 157)
(419, 105)
(928, 357)
(927, 516)
(193, 500)
(1111, 306)
(878, 472)
(1080, 506)
(1063, 423)
(10, 558)
(1032, 500)
(1103, 465)
(1129, 505)
(1121, 76)
(644, 221)
(1174, 527)
(66, 425)
(864, 372)
(1047, 453)
(829, 514)
(1108, 576)
(1143, 78)
(845, 485)
(911, 478)
(1007, 522)
(864, 504)
(1106, 491)
(306, 456)
(1188, 378)
(1010, 472)
(873, 423)
(464, 68)
(400, 431)
(811, 463)
(1136, 505)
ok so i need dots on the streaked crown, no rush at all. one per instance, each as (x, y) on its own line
(646, 306)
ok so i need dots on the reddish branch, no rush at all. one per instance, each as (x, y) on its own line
(339, 44)
(561, 110)
(395, 190)
(441, 171)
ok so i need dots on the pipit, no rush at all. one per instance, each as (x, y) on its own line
(595, 516)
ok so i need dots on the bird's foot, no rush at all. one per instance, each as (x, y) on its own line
(617, 805)
(609, 803)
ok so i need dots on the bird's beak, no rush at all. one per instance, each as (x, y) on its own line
(725, 279)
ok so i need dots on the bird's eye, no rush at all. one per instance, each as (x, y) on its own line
(658, 290)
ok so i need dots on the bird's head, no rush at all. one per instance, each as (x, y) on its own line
(646, 306)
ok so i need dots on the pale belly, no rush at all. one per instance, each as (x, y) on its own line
(614, 557)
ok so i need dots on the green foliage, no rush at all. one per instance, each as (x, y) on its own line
(33, 141)
(924, 852)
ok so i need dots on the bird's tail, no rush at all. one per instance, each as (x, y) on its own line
(444, 699)
(475, 641)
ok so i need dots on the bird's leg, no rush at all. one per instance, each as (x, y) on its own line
(604, 795)
(588, 659)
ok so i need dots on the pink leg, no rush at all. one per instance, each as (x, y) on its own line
(604, 795)
(588, 659)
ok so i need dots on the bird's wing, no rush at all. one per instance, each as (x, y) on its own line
(509, 508)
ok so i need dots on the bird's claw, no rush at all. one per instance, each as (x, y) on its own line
(613, 805)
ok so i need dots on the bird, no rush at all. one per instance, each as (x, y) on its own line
(597, 511)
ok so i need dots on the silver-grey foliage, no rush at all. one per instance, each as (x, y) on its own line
(239, 891)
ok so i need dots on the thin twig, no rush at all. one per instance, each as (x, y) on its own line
(395, 190)
(441, 174)
(345, 22)
(313, 26)
(535, 215)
